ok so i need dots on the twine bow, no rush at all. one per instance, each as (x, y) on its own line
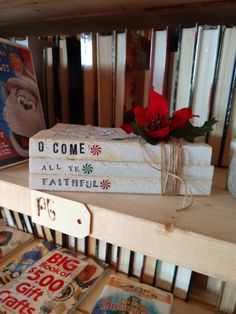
(171, 172)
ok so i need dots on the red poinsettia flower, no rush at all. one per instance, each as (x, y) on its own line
(152, 120)
(128, 128)
(181, 117)
(153, 123)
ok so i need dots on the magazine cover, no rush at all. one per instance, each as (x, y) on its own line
(124, 296)
(21, 113)
(11, 239)
(74, 293)
(74, 275)
(12, 267)
(54, 284)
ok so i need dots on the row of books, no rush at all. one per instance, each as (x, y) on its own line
(181, 282)
(96, 79)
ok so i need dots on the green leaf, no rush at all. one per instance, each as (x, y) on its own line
(190, 132)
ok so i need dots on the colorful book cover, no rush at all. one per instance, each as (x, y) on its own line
(124, 296)
(13, 267)
(21, 113)
(48, 276)
(55, 284)
(86, 142)
(80, 286)
(11, 239)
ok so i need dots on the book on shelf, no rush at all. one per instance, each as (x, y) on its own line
(165, 273)
(132, 73)
(79, 286)
(223, 92)
(61, 278)
(38, 47)
(50, 86)
(21, 112)
(89, 72)
(37, 288)
(158, 60)
(185, 69)
(121, 294)
(61, 182)
(11, 239)
(121, 43)
(105, 78)
(75, 80)
(182, 282)
(108, 144)
(174, 45)
(229, 130)
(230, 134)
(112, 168)
(63, 80)
(227, 298)
(205, 66)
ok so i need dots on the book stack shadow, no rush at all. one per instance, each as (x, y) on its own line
(85, 158)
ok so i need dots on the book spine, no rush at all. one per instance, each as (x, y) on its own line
(116, 150)
(109, 168)
(110, 184)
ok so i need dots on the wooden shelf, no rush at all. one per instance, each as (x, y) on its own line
(179, 306)
(50, 17)
(202, 238)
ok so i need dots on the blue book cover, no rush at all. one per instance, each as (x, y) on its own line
(21, 113)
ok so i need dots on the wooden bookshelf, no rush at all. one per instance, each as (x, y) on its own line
(202, 238)
(50, 17)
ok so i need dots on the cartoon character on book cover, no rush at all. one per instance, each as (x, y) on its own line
(20, 108)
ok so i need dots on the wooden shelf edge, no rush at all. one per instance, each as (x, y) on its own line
(207, 12)
(174, 243)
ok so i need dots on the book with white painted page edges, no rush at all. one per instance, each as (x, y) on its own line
(94, 159)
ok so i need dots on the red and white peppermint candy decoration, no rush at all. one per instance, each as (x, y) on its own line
(95, 150)
(105, 184)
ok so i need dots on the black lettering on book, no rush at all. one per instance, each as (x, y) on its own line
(41, 146)
(50, 167)
(70, 182)
(71, 149)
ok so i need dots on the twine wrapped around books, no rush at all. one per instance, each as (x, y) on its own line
(171, 172)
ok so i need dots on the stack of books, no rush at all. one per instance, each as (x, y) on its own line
(93, 159)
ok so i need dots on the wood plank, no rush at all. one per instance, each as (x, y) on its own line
(202, 238)
(44, 17)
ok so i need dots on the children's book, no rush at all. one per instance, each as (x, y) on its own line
(124, 296)
(11, 239)
(21, 113)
